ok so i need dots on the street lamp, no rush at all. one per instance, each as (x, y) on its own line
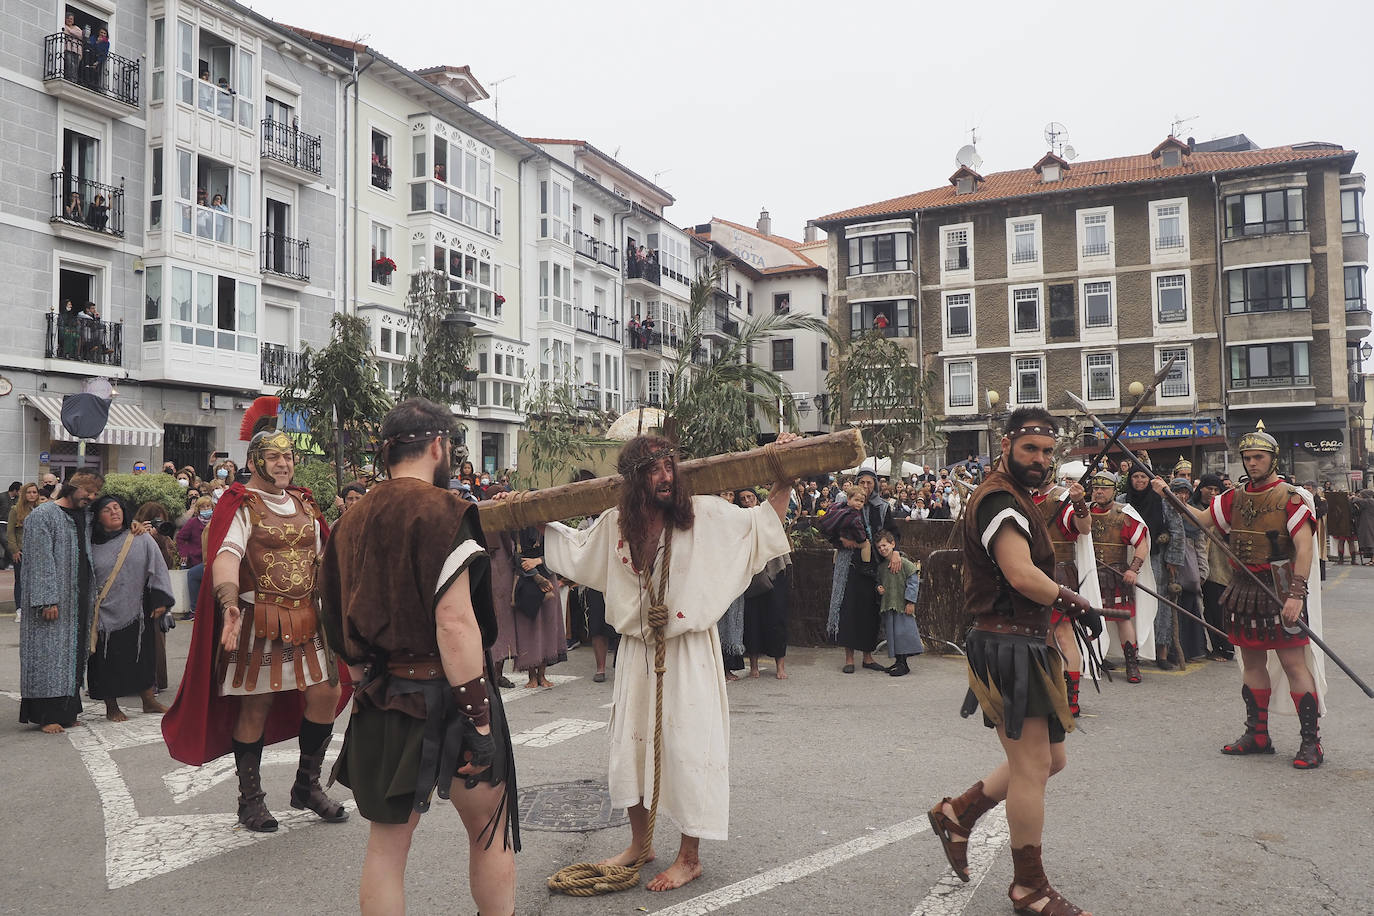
(993, 399)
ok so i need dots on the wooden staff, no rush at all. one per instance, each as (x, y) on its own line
(790, 460)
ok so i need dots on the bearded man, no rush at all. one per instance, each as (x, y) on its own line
(1271, 525)
(693, 554)
(1014, 677)
(261, 673)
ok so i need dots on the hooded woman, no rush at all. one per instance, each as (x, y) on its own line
(1166, 555)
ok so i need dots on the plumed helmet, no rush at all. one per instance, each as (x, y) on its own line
(1257, 440)
(264, 441)
(1104, 478)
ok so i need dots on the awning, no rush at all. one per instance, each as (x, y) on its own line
(1165, 445)
(128, 425)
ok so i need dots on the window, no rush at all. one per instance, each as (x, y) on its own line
(555, 211)
(782, 302)
(1274, 365)
(871, 254)
(152, 304)
(1352, 210)
(159, 58)
(1171, 298)
(215, 76)
(460, 183)
(477, 276)
(1169, 227)
(1025, 305)
(155, 190)
(1096, 242)
(555, 293)
(1265, 213)
(1175, 384)
(1063, 314)
(959, 315)
(222, 201)
(207, 310)
(892, 318)
(383, 264)
(956, 249)
(1170, 158)
(959, 388)
(381, 160)
(496, 210)
(825, 304)
(1024, 248)
(1354, 289)
(782, 355)
(825, 356)
(1101, 373)
(1028, 372)
(1268, 289)
(1097, 304)
(749, 299)
(186, 62)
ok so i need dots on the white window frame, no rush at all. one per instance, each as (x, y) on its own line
(1170, 254)
(1102, 332)
(1036, 334)
(945, 232)
(1108, 257)
(961, 410)
(1113, 397)
(960, 344)
(1162, 395)
(1182, 328)
(1030, 265)
(1016, 379)
(387, 236)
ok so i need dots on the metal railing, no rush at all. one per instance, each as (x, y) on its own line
(76, 61)
(285, 256)
(1025, 257)
(89, 204)
(1168, 242)
(280, 366)
(595, 249)
(957, 263)
(643, 270)
(1096, 249)
(287, 143)
(381, 176)
(640, 339)
(84, 340)
(585, 320)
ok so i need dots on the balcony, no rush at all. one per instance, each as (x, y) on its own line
(1169, 243)
(718, 321)
(286, 145)
(594, 249)
(381, 175)
(84, 340)
(76, 72)
(89, 205)
(957, 262)
(280, 366)
(285, 257)
(1096, 249)
(655, 341)
(646, 270)
(1025, 256)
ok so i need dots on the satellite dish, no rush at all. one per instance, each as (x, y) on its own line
(1054, 133)
(1070, 153)
(968, 157)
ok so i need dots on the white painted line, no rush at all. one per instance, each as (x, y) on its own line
(793, 871)
(555, 732)
(950, 896)
(187, 782)
(520, 691)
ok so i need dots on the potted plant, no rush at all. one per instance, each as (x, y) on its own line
(384, 266)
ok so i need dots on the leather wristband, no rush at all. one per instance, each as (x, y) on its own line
(1080, 508)
(227, 594)
(1297, 589)
(472, 701)
(1136, 565)
(1071, 603)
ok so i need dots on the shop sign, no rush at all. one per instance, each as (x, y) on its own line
(1321, 442)
(1171, 429)
(44, 457)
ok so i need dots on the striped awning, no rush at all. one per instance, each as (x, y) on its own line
(128, 425)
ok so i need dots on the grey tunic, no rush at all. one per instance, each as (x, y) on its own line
(143, 567)
(49, 650)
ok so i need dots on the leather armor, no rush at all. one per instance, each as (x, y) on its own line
(1107, 544)
(1259, 525)
(1049, 509)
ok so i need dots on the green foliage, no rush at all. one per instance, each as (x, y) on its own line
(714, 405)
(558, 438)
(341, 377)
(438, 362)
(872, 385)
(137, 489)
(318, 477)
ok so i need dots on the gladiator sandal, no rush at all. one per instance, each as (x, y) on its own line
(1071, 680)
(1132, 653)
(1256, 737)
(954, 834)
(253, 812)
(306, 792)
(1310, 750)
(1030, 873)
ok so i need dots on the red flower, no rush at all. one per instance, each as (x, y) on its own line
(500, 299)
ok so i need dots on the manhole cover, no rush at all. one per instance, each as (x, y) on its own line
(569, 807)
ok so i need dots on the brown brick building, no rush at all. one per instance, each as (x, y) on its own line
(1247, 266)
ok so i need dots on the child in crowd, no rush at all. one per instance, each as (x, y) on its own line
(897, 594)
(847, 522)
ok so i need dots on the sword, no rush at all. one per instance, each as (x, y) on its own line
(1225, 548)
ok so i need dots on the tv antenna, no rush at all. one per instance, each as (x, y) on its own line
(1178, 122)
(496, 96)
(968, 157)
(1070, 154)
(1055, 135)
(660, 172)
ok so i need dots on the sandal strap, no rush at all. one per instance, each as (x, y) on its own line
(1056, 904)
(948, 823)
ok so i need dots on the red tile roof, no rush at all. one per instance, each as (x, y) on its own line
(791, 245)
(327, 39)
(1092, 174)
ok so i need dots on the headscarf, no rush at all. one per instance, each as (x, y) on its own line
(1150, 505)
(98, 533)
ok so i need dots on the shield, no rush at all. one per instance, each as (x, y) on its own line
(1339, 519)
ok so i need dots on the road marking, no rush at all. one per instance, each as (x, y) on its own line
(185, 783)
(950, 896)
(555, 732)
(511, 694)
(793, 871)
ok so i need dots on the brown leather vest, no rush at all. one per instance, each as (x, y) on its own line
(279, 566)
(1049, 509)
(1107, 544)
(988, 597)
(1259, 525)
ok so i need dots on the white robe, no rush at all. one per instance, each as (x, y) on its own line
(711, 564)
(1145, 605)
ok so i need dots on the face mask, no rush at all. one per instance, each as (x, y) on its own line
(183, 482)
(206, 513)
(222, 473)
(215, 495)
(948, 490)
(486, 481)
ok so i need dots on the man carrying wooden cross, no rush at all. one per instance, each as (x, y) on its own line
(662, 548)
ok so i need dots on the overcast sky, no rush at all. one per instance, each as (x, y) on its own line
(746, 104)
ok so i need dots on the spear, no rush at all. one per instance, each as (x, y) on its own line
(1160, 376)
(1225, 548)
(1158, 597)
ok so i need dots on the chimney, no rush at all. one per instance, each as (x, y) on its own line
(810, 233)
(765, 223)
(1192, 143)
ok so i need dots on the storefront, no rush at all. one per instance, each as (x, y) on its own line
(1199, 440)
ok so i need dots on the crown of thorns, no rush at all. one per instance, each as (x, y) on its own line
(650, 458)
(405, 438)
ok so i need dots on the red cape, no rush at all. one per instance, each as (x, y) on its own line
(199, 724)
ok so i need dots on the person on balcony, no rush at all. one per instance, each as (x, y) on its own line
(68, 333)
(880, 322)
(218, 204)
(73, 209)
(98, 216)
(73, 44)
(97, 52)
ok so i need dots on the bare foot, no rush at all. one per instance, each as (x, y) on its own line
(675, 875)
(627, 858)
(53, 729)
(116, 715)
(154, 707)
(782, 672)
(753, 672)
(545, 682)
(531, 685)
(731, 676)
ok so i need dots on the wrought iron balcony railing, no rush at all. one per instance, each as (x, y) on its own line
(85, 340)
(285, 256)
(77, 61)
(280, 366)
(88, 204)
(287, 143)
